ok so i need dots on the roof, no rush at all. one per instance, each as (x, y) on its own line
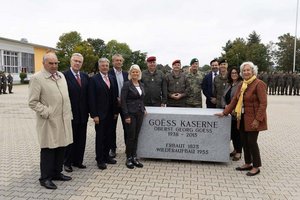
(26, 43)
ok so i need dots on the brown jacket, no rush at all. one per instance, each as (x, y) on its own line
(255, 105)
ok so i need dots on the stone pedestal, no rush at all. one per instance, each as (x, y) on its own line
(185, 134)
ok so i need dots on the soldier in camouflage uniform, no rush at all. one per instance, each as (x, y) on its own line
(194, 85)
(264, 78)
(10, 81)
(280, 84)
(3, 83)
(176, 86)
(154, 85)
(272, 83)
(289, 84)
(220, 82)
(296, 81)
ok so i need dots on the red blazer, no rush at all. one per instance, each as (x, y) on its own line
(255, 105)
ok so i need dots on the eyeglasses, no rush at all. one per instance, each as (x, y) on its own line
(53, 63)
(233, 72)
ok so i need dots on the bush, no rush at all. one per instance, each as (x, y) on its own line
(23, 76)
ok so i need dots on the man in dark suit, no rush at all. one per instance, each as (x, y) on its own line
(103, 110)
(120, 77)
(208, 83)
(78, 92)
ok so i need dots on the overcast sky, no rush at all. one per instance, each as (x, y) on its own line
(168, 29)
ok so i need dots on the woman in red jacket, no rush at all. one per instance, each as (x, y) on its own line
(250, 104)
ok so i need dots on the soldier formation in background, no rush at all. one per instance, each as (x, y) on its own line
(281, 83)
(6, 81)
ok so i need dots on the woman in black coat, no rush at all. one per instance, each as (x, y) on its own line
(132, 102)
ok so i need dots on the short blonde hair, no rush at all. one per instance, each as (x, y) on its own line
(252, 66)
(134, 67)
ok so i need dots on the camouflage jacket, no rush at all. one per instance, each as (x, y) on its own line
(194, 88)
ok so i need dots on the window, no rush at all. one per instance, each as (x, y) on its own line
(27, 62)
(10, 61)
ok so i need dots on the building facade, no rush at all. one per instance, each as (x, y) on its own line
(21, 56)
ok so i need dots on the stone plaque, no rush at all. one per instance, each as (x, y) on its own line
(185, 134)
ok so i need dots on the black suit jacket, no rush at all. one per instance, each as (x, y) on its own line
(103, 100)
(207, 86)
(131, 100)
(125, 77)
(78, 96)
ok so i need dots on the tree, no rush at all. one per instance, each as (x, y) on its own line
(236, 52)
(240, 50)
(66, 44)
(258, 52)
(98, 45)
(87, 51)
(285, 53)
(114, 47)
(139, 58)
(253, 38)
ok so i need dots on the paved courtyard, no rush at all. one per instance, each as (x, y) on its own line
(159, 179)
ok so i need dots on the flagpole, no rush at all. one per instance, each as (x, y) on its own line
(295, 42)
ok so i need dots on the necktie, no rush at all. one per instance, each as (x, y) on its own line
(78, 79)
(107, 81)
(55, 76)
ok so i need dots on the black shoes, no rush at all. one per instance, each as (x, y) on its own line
(232, 153)
(243, 168)
(62, 177)
(253, 174)
(110, 161)
(80, 166)
(48, 184)
(102, 166)
(137, 163)
(112, 153)
(129, 164)
(68, 168)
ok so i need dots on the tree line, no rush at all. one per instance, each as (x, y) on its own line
(268, 57)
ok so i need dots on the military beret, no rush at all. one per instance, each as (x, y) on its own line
(193, 61)
(222, 60)
(151, 58)
(175, 61)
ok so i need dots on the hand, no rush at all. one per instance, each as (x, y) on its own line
(255, 124)
(96, 120)
(145, 113)
(219, 114)
(115, 116)
(128, 120)
(213, 100)
(162, 105)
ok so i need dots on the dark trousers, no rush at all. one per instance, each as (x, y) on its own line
(103, 138)
(113, 145)
(10, 86)
(75, 151)
(133, 130)
(250, 146)
(236, 137)
(51, 162)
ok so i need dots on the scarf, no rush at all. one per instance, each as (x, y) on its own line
(239, 105)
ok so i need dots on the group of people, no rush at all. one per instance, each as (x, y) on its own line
(281, 83)
(64, 101)
(6, 81)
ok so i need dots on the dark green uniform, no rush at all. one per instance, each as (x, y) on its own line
(10, 81)
(155, 88)
(193, 89)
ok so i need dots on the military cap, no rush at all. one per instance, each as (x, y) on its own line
(151, 58)
(176, 61)
(222, 60)
(193, 61)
